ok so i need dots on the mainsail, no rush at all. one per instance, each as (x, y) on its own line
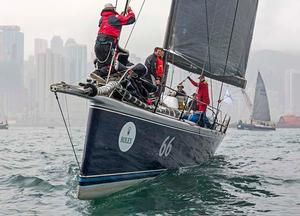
(261, 110)
(214, 35)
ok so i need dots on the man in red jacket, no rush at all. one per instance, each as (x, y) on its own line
(155, 65)
(202, 94)
(203, 100)
(110, 26)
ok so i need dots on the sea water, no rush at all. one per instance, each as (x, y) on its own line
(252, 173)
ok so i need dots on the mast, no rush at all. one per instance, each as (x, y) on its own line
(166, 44)
(166, 47)
(170, 22)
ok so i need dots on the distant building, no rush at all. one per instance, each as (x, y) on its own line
(57, 45)
(291, 92)
(50, 68)
(11, 66)
(295, 87)
(51, 65)
(40, 46)
(76, 56)
(30, 84)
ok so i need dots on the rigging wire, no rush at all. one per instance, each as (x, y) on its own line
(115, 50)
(68, 115)
(227, 57)
(68, 132)
(208, 50)
(133, 27)
(211, 92)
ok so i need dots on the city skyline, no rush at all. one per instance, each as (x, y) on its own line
(78, 20)
(56, 60)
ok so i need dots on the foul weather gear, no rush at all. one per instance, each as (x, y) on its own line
(202, 94)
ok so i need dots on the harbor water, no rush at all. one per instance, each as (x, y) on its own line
(252, 173)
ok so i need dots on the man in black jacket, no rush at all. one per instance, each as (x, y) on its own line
(154, 63)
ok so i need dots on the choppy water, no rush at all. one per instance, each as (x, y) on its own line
(253, 173)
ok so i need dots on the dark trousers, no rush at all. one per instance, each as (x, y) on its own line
(104, 48)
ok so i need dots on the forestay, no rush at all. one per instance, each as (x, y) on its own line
(261, 110)
(212, 34)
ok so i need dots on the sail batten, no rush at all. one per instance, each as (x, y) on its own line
(214, 35)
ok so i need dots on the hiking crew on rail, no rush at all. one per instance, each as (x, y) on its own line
(110, 26)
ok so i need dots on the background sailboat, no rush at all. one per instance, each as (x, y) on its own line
(3, 120)
(260, 118)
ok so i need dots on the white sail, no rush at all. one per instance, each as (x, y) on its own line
(261, 110)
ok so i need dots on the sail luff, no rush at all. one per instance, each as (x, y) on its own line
(261, 109)
(169, 26)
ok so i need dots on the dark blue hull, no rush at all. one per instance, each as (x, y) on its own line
(3, 126)
(125, 143)
(244, 126)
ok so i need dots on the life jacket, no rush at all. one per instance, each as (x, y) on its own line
(202, 95)
(159, 67)
(111, 22)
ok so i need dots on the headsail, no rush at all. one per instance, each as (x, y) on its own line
(261, 110)
(212, 34)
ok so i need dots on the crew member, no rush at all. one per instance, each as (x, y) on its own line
(155, 65)
(202, 94)
(202, 97)
(181, 96)
(110, 26)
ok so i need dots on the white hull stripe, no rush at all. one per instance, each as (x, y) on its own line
(85, 181)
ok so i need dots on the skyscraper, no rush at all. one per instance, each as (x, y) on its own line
(287, 92)
(291, 90)
(11, 65)
(76, 55)
(295, 87)
(56, 45)
(40, 46)
(50, 68)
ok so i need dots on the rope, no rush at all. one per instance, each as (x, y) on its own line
(63, 117)
(68, 115)
(231, 35)
(134, 24)
(211, 92)
(116, 48)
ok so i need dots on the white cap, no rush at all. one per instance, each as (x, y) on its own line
(109, 5)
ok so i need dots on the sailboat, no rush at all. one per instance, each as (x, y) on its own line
(3, 120)
(260, 118)
(4, 125)
(127, 140)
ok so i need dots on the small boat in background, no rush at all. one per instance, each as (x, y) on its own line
(3, 120)
(4, 125)
(289, 121)
(261, 118)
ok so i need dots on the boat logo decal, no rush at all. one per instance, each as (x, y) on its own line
(127, 136)
(166, 147)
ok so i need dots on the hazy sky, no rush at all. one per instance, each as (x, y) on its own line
(277, 24)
